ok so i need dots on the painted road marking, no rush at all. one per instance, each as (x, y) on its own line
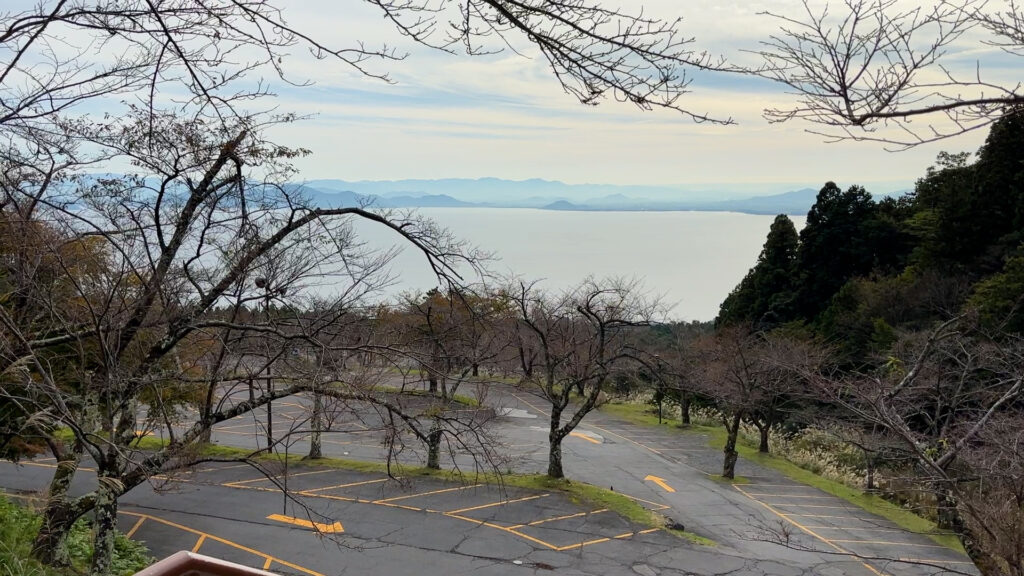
(334, 528)
(455, 489)
(557, 518)
(267, 558)
(786, 517)
(793, 496)
(660, 482)
(788, 505)
(503, 529)
(888, 543)
(500, 503)
(933, 561)
(312, 491)
(860, 529)
(135, 527)
(606, 539)
(199, 543)
(871, 520)
(585, 437)
(644, 446)
(271, 478)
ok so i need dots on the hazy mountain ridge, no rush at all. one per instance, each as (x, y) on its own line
(497, 193)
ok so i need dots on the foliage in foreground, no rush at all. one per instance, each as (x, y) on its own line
(18, 527)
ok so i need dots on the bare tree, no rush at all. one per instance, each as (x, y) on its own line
(580, 340)
(751, 377)
(883, 70)
(950, 401)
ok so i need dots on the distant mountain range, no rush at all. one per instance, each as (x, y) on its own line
(546, 195)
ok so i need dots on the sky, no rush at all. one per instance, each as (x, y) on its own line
(505, 116)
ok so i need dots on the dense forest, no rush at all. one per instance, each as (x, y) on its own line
(862, 269)
(894, 326)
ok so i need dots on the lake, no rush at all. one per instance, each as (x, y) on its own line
(691, 259)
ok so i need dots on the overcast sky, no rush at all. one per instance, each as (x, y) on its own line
(505, 115)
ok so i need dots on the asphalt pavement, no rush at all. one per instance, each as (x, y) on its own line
(346, 522)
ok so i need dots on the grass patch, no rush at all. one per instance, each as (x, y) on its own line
(695, 538)
(872, 503)
(18, 527)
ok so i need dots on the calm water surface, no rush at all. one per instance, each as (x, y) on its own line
(691, 259)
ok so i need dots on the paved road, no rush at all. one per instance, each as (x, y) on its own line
(770, 526)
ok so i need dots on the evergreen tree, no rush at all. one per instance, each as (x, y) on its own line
(839, 242)
(765, 295)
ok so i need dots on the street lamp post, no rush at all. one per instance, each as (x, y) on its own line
(265, 285)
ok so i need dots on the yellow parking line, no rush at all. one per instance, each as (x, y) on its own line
(235, 545)
(503, 529)
(265, 478)
(541, 411)
(557, 518)
(492, 504)
(887, 543)
(809, 505)
(582, 544)
(793, 496)
(393, 505)
(350, 484)
(267, 563)
(828, 516)
(199, 543)
(644, 446)
(786, 517)
(135, 527)
(860, 529)
(607, 539)
(457, 488)
(932, 561)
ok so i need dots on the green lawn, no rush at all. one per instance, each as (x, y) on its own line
(638, 414)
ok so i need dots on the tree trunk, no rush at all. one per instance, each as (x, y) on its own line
(732, 430)
(270, 413)
(946, 514)
(50, 545)
(206, 436)
(434, 448)
(870, 462)
(317, 424)
(762, 447)
(684, 409)
(555, 458)
(105, 525)
(555, 445)
(476, 370)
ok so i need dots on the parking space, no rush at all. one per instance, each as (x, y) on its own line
(880, 544)
(545, 520)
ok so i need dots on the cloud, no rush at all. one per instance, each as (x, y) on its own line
(505, 115)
